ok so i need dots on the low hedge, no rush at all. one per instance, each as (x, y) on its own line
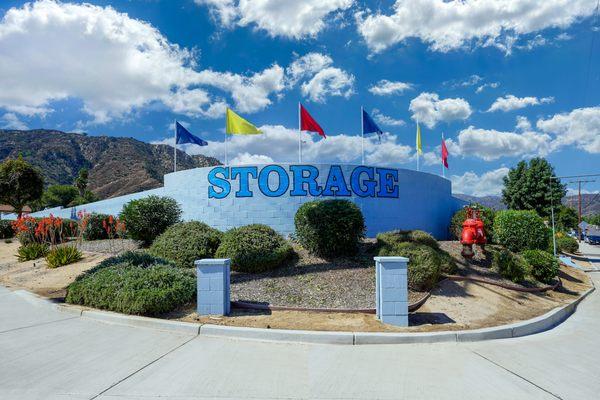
(136, 258)
(329, 227)
(520, 230)
(544, 266)
(187, 242)
(6, 229)
(254, 248)
(129, 289)
(510, 265)
(487, 216)
(447, 263)
(565, 243)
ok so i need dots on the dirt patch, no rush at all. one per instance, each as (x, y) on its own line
(35, 276)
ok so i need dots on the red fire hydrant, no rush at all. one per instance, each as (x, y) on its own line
(472, 233)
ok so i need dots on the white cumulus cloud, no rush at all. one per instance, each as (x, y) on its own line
(580, 127)
(511, 102)
(451, 24)
(430, 110)
(12, 121)
(388, 88)
(113, 63)
(487, 184)
(291, 19)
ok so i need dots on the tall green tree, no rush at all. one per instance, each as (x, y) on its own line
(566, 218)
(59, 195)
(528, 187)
(81, 181)
(20, 184)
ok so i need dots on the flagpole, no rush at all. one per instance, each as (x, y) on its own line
(226, 159)
(299, 135)
(362, 132)
(175, 147)
(419, 133)
(443, 169)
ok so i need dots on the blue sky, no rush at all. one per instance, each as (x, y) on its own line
(504, 80)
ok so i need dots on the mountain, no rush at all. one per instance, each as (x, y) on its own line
(590, 203)
(117, 165)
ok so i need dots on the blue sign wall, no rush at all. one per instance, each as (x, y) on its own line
(230, 196)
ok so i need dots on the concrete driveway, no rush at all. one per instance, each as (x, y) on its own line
(52, 355)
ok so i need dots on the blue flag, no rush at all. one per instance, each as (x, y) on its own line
(369, 126)
(184, 136)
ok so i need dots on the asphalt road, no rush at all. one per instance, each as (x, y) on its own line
(52, 355)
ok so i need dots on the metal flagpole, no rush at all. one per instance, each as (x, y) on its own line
(226, 159)
(416, 145)
(362, 131)
(175, 147)
(443, 167)
(299, 135)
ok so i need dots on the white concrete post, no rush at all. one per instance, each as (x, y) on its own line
(213, 286)
(391, 280)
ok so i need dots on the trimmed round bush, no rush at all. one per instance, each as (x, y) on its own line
(6, 229)
(147, 218)
(129, 289)
(391, 238)
(186, 242)
(520, 230)
(94, 230)
(544, 266)
(487, 216)
(329, 227)
(254, 248)
(510, 265)
(564, 243)
(424, 266)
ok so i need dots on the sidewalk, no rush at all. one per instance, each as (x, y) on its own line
(53, 355)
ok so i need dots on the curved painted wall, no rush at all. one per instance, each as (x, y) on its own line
(422, 201)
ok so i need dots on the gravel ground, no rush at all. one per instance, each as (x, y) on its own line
(114, 246)
(309, 281)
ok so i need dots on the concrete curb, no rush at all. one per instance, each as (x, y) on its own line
(143, 322)
(532, 326)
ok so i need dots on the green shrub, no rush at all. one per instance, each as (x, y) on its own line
(137, 258)
(156, 289)
(391, 238)
(424, 265)
(564, 243)
(6, 229)
(31, 251)
(63, 255)
(487, 216)
(149, 217)
(186, 242)
(94, 229)
(254, 248)
(520, 230)
(70, 228)
(544, 266)
(329, 227)
(510, 265)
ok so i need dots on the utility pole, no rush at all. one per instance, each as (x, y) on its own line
(579, 182)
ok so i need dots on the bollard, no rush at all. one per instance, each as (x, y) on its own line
(213, 286)
(391, 280)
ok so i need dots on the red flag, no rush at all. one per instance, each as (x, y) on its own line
(444, 153)
(308, 123)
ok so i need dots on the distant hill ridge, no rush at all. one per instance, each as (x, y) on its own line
(117, 165)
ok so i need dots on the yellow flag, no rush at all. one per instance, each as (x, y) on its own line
(419, 148)
(236, 125)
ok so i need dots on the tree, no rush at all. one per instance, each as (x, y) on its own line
(59, 195)
(81, 181)
(20, 184)
(88, 197)
(593, 219)
(528, 187)
(566, 218)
